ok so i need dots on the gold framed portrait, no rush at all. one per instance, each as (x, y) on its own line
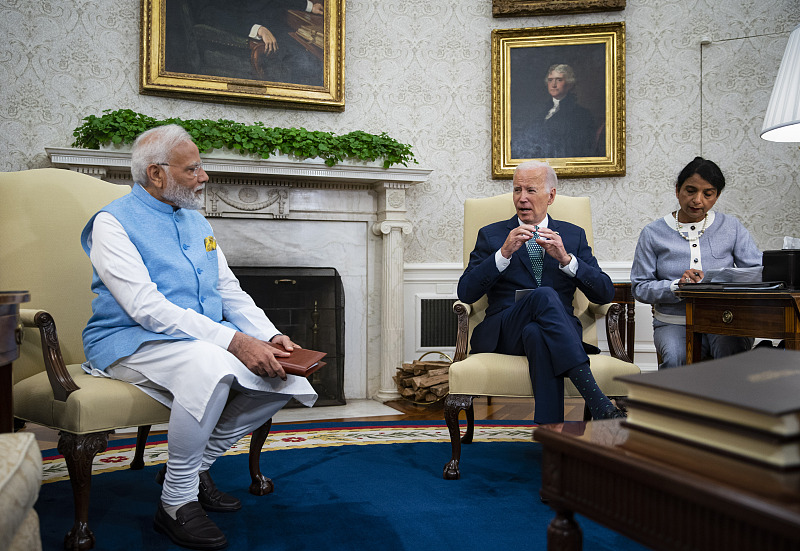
(511, 8)
(275, 53)
(558, 94)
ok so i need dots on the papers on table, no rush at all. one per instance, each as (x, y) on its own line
(733, 275)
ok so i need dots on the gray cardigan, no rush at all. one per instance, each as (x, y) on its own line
(662, 256)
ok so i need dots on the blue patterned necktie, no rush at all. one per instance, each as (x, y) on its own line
(536, 254)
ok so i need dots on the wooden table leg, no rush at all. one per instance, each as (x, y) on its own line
(694, 340)
(630, 314)
(7, 399)
(563, 533)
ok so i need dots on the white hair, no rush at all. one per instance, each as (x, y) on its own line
(564, 69)
(550, 178)
(155, 146)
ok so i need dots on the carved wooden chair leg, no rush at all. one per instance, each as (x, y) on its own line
(470, 413)
(453, 404)
(79, 451)
(260, 485)
(141, 441)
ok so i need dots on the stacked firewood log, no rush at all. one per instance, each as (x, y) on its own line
(423, 381)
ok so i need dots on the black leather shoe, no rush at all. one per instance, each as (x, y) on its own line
(615, 413)
(214, 500)
(191, 529)
(211, 498)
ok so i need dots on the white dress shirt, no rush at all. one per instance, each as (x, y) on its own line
(570, 269)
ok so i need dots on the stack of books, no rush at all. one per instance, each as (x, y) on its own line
(735, 418)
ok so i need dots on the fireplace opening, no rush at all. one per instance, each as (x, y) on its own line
(308, 305)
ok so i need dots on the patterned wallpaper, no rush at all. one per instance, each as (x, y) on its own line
(420, 71)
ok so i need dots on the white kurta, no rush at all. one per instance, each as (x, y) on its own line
(183, 370)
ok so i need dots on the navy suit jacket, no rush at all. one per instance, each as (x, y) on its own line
(482, 277)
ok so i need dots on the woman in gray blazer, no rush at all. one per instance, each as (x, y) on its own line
(677, 248)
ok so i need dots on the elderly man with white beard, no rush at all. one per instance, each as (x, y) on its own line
(171, 318)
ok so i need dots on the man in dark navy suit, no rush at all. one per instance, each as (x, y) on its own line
(552, 258)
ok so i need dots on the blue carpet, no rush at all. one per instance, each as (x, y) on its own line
(390, 496)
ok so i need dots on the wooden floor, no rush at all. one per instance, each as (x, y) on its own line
(501, 409)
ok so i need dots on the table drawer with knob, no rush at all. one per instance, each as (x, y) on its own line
(715, 317)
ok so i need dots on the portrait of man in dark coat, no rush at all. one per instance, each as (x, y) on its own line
(549, 117)
(272, 40)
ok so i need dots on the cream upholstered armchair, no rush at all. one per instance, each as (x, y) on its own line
(503, 375)
(42, 213)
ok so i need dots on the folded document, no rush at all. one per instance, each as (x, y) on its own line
(733, 275)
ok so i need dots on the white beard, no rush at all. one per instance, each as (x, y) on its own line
(184, 197)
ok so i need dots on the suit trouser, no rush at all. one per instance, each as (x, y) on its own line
(538, 326)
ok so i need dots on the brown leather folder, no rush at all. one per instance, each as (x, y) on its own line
(302, 362)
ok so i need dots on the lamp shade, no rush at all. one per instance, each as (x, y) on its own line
(782, 121)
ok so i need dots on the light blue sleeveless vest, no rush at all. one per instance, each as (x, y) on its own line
(172, 243)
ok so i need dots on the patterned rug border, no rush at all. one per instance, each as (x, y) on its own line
(289, 437)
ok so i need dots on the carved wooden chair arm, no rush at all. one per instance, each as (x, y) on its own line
(462, 310)
(615, 344)
(60, 379)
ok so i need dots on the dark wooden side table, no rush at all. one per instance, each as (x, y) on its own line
(9, 351)
(766, 314)
(587, 470)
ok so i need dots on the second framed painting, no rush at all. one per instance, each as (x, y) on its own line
(558, 94)
(279, 54)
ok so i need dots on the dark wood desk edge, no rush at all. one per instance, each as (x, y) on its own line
(14, 297)
(682, 486)
(685, 292)
(776, 295)
(9, 351)
(765, 298)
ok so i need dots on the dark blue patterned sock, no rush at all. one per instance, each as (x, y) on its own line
(598, 403)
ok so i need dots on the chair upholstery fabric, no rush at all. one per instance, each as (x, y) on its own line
(99, 405)
(20, 478)
(42, 213)
(492, 374)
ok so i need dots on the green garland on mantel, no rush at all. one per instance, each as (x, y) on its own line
(123, 125)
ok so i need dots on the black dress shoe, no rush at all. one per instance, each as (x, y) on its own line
(191, 529)
(211, 498)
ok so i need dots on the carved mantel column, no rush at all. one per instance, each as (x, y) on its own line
(391, 224)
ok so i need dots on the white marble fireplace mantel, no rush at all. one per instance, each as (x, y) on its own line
(262, 209)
